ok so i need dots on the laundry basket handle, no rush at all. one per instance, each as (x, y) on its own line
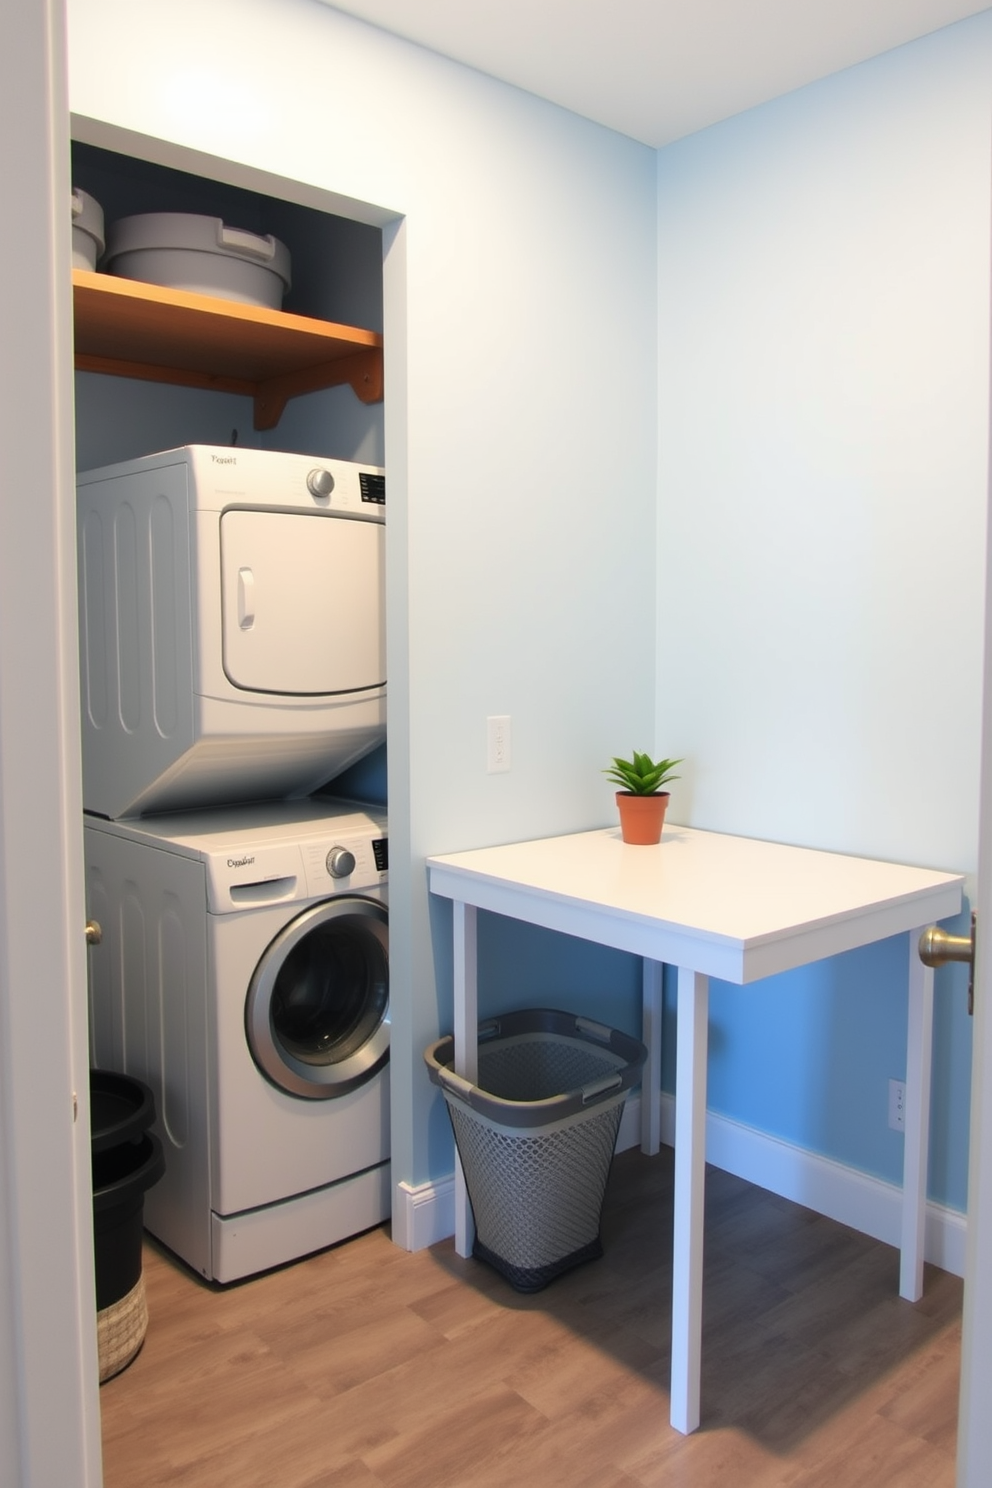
(591, 1029)
(456, 1085)
(596, 1088)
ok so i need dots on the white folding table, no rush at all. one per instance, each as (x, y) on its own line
(713, 906)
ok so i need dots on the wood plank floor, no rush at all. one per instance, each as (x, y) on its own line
(366, 1367)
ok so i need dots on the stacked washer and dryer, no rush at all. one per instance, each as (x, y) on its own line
(233, 663)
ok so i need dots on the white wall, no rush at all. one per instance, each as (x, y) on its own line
(823, 436)
(824, 333)
(519, 414)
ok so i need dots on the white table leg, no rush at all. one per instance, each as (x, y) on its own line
(690, 1180)
(651, 1076)
(919, 1048)
(466, 1011)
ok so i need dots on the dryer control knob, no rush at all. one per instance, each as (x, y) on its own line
(340, 862)
(320, 482)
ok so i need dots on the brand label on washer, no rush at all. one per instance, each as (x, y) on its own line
(250, 877)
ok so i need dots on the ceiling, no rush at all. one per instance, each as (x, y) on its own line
(659, 69)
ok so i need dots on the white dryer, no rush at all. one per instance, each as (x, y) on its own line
(231, 626)
(243, 973)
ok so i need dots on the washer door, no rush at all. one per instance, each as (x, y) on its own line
(317, 1013)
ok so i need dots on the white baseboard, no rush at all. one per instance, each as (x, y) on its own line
(845, 1194)
(425, 1213)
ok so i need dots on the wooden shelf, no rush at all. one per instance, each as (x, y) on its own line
(130, 329)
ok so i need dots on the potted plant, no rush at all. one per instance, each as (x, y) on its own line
(640, 800)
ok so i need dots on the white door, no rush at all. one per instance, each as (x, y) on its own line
(49, 1408)
(974, 1423)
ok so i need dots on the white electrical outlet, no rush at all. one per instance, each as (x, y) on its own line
(897, 1105)
(498, 743)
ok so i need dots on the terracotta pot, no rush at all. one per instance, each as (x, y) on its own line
(642, 817)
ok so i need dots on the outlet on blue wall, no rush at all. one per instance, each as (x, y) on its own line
(807, 1056)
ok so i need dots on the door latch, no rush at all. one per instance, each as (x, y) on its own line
(937, 948)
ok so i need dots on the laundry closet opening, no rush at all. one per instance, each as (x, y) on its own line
(231, 528)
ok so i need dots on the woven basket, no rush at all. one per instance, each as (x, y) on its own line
(120, 1331)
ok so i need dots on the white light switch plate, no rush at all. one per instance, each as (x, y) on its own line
(498, 743)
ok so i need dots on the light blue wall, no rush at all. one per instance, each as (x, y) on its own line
(807, 1056)
(823, 435)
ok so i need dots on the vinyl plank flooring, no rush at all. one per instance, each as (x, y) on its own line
(365, 1367)
(709, 1457)
(458, 1307)
(924, 1397)
(878, 1455)
(585, 1374)
(551, 1462)
(488, 1431)
(379, 1338)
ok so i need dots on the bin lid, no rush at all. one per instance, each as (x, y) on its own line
(121, 1109)
(192, 232)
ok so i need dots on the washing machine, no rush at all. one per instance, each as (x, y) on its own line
(232, 643)
(243, 973)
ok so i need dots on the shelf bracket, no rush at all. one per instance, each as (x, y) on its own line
(362, 371)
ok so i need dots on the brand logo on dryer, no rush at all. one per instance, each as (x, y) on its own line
(240, 862)
(224, 459)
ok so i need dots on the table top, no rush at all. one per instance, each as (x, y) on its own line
(733, 907)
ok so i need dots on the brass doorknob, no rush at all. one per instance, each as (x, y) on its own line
(937, 948)
(94, 932)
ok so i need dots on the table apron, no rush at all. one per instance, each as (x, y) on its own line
(725, 959)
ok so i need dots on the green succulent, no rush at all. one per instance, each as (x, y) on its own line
(641, 775)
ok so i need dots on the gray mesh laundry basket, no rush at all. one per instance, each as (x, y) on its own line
(536, 1136)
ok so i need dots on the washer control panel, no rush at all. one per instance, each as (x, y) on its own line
(340, 857)
(344, 862)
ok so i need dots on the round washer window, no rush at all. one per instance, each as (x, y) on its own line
(317, 1014)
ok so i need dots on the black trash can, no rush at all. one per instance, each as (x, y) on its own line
(536, 1136)
(127, 1160)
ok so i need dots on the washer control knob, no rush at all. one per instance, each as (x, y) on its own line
(320, 482)
(340, 862)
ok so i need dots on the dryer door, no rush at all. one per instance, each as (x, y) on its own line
(302, 603)
(317, 1012)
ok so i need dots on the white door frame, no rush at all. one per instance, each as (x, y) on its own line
(49, 1398)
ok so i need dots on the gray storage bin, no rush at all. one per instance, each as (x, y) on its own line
(87, 230)
(536, 1136)
(183, 250)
